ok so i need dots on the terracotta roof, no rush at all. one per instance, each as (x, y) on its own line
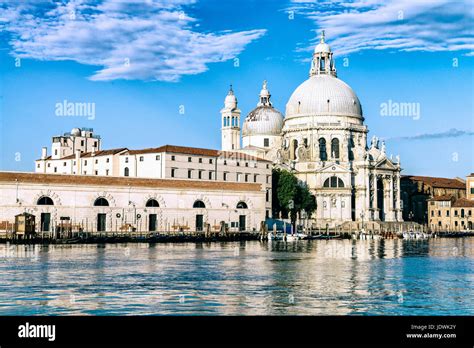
(104, 152)
(177, 149)
(463, 202)
(197, 151)
(89, 154)
(437, 182)
(91, 180)
(442, 198)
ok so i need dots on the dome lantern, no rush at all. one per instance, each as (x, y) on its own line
(323, 62)
(264, 96)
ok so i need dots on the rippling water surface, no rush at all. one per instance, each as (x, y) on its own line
(387, 277)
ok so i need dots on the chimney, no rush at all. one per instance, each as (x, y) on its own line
(78, 162)
(44, 153)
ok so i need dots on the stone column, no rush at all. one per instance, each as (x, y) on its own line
(397, 197)
(316, 148)
(367, 193)
(375, 201)
(387, 198)
(392, 208)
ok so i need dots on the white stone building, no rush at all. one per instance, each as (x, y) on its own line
(101, 203)
(165, 162)
(323, 140)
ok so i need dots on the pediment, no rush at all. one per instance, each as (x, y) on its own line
(385, 163)
(333, 168)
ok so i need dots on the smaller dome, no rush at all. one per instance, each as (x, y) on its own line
(263, 120)
(76, 132)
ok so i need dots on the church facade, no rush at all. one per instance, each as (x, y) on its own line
(322, 139)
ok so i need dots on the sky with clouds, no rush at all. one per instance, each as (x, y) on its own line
(158, 70)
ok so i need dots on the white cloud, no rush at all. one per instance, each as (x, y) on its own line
(451, 133)
(400, 25)
(146, 40)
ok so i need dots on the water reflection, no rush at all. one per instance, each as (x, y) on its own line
(337, 277)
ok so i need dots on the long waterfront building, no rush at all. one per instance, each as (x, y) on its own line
(99, 203)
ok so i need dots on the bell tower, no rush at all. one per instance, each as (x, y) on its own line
(230, 130)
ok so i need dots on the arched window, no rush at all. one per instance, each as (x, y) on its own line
(462, 213)
(126, 171)
(333, 181)
(335, 148)
(295, 146)
(45, 200)
(322, 149)
(152, 203)
(242, 205)
(101, 202)
(199, 204)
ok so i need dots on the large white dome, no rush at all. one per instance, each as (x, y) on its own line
(324, 95)
(263, 120)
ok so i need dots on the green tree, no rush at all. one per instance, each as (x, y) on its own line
(292, 196)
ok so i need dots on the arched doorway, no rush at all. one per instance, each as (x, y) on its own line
(199, 217)
(45, 219)
(242, 217)
(101, 217)
(152, 217)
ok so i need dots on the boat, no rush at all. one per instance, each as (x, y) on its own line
(415, 235)
(275, 235)
(287, 237)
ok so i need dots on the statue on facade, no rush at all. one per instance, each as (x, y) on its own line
(374, 144)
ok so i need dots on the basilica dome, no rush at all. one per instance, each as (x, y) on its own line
(264, 119)
(323, 94)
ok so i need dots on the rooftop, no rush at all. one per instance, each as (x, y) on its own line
(185, 150)
(442, 198)
(91, 180)
(197, 151)
(437, 182)
(463, 203)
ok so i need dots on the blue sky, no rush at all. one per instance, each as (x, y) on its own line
(140, 62)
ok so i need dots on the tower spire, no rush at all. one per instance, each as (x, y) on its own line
(322, 36)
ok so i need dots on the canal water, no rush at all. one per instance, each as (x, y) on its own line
(336, 277)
